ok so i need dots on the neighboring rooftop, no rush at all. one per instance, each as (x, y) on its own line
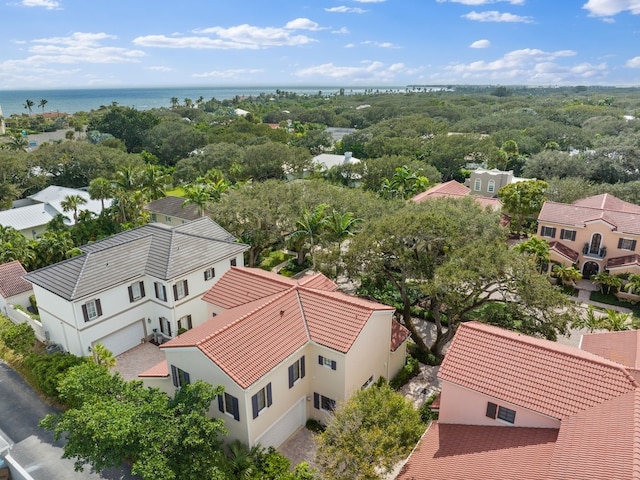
(154, 249)
(622, 347)
(173, 207)
(454, 189)
(11, 281)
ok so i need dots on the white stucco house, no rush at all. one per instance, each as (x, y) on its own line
(139, 283)
(284, 350)
(14, 290)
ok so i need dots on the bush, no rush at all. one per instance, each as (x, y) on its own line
(315, 426)
(48, 370)
(427, 358)
(410, 370)
(34, 305)
(426, 414)
(20, 338)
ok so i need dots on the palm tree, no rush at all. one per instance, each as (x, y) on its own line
(174, 102)
(100, 189)
(538, 249)
(17, 142)
(29, 105)
(154, 181)
(72, 203)
(590, 320)
(633, 284)
(607, 282)
(341, 226)
(404, 183)
(240, 460)
(568, 275)
(616, 321)
(309, 228)
(103, 356)
(198, 195)
(42, 103)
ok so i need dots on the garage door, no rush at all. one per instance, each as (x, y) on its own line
(125, 339)
(286, 426)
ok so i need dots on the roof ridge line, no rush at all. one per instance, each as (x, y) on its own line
(304, 317)
(75, 286)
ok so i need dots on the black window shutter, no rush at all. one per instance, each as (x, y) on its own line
(187, 378)
(205, 275)
(269, 395)
(254, 405)
(236, 409)
(175, 292)
(221, 403)
(633, 245)
(155, 287)
(186, 288)
(573, 236)
(562, 231)
(620, 242)
(302, 367)
(174, 375)
(98, 307)
(492, 408)
(164, 293)
(320, 360)
(130, 294)
(85, 314)
(290, 376)
(333, 365)
(161, 325)
(316, 400)
(189, 324)
(142, 289)
(553, 232)
(168, 328)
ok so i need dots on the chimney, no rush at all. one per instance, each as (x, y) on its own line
(347, 157)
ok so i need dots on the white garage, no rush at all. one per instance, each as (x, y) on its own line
(124, 339)
(286, 426)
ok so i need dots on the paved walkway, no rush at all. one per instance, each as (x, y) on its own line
(137, 360)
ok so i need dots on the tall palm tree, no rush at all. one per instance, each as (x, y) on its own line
(174, 102)
(341, 226)
(608, 283)
(154, 181)
(537, 248)
(199, 195)
(100, 189)
(240, 460)
(568, 275)
(42, 103)
(309, 228)
(633, 284)
(616, 321)
(29, 105)
(72, 203)
(103, 356)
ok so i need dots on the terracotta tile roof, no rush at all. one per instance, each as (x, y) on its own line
(11, 281)
(451, 188)
(540, 375)
(602, 442)
(624, 261)
(159, 370)
(398, 335)
(563, 250)
(270, 317)
(464, 452)
(622, 347)
(623, 216)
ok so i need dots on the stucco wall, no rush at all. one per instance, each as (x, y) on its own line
(460, 405)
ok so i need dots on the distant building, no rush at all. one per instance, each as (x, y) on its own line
(172, 211)
(487, 183)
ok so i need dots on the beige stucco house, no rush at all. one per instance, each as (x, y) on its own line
(487, 182)
(284, 350)
(595, 233)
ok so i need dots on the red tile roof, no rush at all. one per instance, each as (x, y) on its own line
(600, 443)
(622, 347)
(540, 375)
(623, 216)
(399, 334)
(11, 281)
(563, 250)
(469, 452)
(624, 261)
(159, 370)
(451, 188)
(270, 317)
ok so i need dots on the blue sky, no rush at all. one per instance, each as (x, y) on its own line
(100, 43)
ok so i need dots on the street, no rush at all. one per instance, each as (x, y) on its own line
(33, 447)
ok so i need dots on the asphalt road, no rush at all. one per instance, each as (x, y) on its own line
(33, 447)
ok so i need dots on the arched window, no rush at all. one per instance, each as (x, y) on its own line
(477, 185)
(491, 188)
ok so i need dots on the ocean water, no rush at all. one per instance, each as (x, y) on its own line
(85, 100)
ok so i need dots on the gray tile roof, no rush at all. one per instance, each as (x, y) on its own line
(172, 206)
(153, 249)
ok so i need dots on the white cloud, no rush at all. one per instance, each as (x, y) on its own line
(633, 62)
(345, 9)
(341, 31)
(484, 43)
(368, 71)
(379, 44)
(302, 24)
(48, 4)
(476, 3)
(495, 16)
(350, 45)
(608, 8)
(370, 1)
(237, 73)
(160, 69)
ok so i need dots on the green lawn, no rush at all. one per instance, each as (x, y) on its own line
(175, 192)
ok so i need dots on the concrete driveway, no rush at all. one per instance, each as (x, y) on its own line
(33, 448)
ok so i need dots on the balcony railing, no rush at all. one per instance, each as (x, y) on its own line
(595, 253)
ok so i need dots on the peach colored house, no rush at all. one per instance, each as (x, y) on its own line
(521, 408)
(595, 233)
(284, 350)
(454, 189)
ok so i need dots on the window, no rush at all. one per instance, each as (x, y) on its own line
(477, 185)
(91, 310)
(165, 326)
(567, 234)
(161, 291)
(180, 377)
(209, 273)
(323, 403)
(367, 384)
(626, 244)
(185, 322)
(548, 232)
(167, 218)
(502, 413)
(180, 290)
(296, 371)
(229, 404)
(136, 291)
(261, 400)
(154, 218)
(233, 262)
(327, 362)
(492, 186)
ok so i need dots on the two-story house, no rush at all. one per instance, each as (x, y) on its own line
(172, 210)
(595, 233)
(285, 351)
(139, 283)
(520, 408)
